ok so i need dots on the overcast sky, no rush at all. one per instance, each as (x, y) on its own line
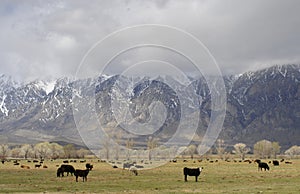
(41, 39)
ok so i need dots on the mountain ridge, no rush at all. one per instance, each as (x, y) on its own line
(263, 104)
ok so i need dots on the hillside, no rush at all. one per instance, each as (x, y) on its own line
(264, 104)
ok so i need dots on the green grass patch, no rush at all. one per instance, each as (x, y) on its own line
(220, 177)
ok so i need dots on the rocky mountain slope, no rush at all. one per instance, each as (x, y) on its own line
(260, 105)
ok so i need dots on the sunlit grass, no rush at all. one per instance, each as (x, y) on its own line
(220, 177)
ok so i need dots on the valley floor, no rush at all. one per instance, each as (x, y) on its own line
(217, 177)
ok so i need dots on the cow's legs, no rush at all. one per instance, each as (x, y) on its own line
(196, 177)
(185, 177)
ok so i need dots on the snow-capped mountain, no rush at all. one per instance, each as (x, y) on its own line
(263, 104)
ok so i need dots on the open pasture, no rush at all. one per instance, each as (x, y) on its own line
(216, 177)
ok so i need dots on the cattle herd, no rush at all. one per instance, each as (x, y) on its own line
(77, 172)
(133, 167)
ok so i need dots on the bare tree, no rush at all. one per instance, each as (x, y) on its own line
(26, 149)
(275, 149)
(220, 148)
(4, 149)
(106, 148)
(15, 152)
(69, 150)
(293, 151)
(56, 150)
(191, 150)
(118, 136)
(42, 149)
(129, 146)
(151, 144)
(263, 149)
(81, 153)
(241, 150)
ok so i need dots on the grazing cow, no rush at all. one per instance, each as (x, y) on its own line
(249, 161)
(37, 166)
(139, 166)
(35, 161)
(89, 166)
(257, 161)
(191, 172)
(263, 165)
(288, 162)
(67, 168)
(59, 172)
(25, 167)
(275, 162)
(282, 160)
(134, 170)
(44, 166)
(81, 173)
(2, 161)
(66, 161)
(127, 165)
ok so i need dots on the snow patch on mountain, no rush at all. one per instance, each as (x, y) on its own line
(47, 86)
(2, 106)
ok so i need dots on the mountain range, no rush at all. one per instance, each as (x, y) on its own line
(263, 104)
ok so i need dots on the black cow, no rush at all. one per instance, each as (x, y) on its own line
(263, 165)
(81, 173)
(139, 166)
(191, 172)
(59, 172)
(257, 161)
(127, 165)
(89, 166)
(67, 168)
(275, 162)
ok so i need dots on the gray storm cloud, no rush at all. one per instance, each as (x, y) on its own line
(49, 38)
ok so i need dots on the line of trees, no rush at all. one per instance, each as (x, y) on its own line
(261, 149)
(47, 150)
(43, 150)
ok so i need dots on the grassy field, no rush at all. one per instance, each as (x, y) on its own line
(217, 177)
